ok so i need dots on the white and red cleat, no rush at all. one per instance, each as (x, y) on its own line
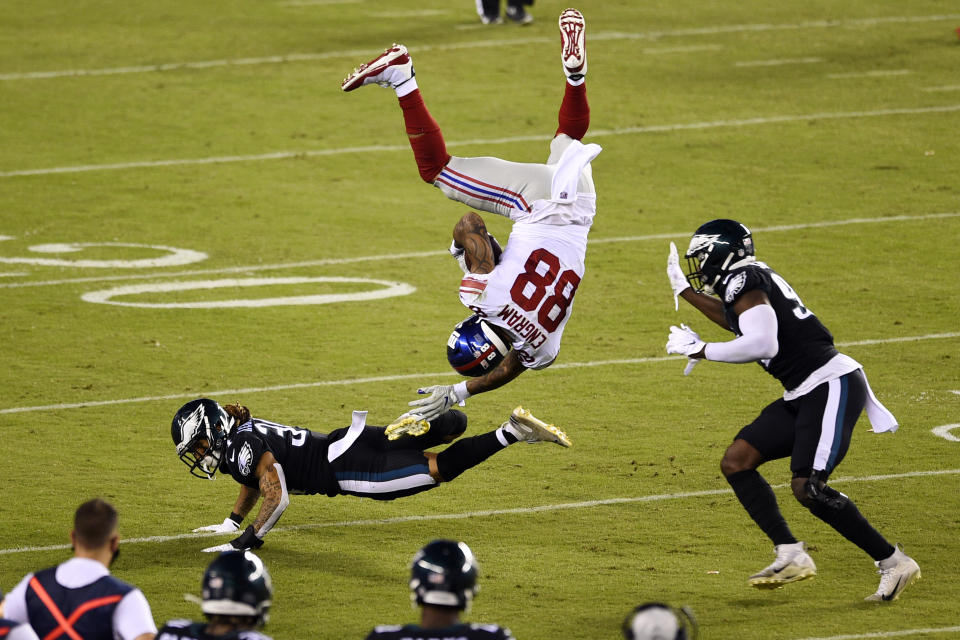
(573, 46)
(391, 69)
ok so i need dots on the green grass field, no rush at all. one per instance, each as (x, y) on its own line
(219, 127)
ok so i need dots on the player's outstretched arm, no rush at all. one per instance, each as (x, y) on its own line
(273, 488)
(707, 305)
(508, 369)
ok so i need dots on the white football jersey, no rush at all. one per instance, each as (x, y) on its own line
(530, 292)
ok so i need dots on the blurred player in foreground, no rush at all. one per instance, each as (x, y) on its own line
(79, 597)
(275, 460)
(825, 392)
(657, 621)
(443, 582)
(236, 594)
(522, 297)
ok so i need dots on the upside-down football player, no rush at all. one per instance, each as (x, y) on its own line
(273, 461)
(523, 296)
(825, 392)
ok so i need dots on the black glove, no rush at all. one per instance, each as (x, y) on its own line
(247, 540)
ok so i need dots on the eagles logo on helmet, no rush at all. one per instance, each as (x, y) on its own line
(444, 574)
(475, 348)
(199, 431)
(715, 249)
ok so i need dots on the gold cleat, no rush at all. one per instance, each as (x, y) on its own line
(531, 429)
(407, 426)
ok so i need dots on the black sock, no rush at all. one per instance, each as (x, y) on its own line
(758, 499)
(491, 8)
(466, 453)
(851, 524)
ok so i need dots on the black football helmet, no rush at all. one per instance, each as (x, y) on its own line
(237, 584)
(474, 347)
(657, 621)
(444, 574)
(199, 431)
(717, 247)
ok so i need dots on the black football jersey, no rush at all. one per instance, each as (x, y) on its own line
(187, 630)
(302, 454)
(805, 344)
(461, 631)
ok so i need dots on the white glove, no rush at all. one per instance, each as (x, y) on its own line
(678, 280)
(220, 547)
(458, 253)
(684, 340)
(228, 526)
(441, 398)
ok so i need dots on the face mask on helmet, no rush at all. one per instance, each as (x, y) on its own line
(199, 432)
(444, 574)
(237, 583)
(474, 348)
(717, 247)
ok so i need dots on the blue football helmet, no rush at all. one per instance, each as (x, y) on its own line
(474, 347)
(444, 574)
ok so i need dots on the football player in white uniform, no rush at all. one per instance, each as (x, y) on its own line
(522, 297)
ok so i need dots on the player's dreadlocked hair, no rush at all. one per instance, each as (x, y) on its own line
(238, 412)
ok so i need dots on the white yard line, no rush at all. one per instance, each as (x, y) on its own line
(775, 63)
(364, 54)
(890, 634)
(869, 74)
(440, 253)
(949, 87)
(595, 133)
(408, 376)
(316, 3)
(498, 512)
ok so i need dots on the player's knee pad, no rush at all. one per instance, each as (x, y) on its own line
(823, 496)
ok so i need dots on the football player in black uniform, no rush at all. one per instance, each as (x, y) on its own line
(236, 594)
(443, 582)
(274, 460)
(825, 392)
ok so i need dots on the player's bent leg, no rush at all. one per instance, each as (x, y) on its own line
(840, 512)
(469, 452)
(739, 467)
(411, 432)
(494, 185)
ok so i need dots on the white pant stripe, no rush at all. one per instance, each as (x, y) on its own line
(388, 486)
(828, 425)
